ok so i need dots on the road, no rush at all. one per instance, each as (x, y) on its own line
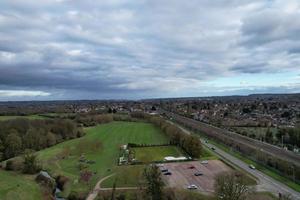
(265, 183)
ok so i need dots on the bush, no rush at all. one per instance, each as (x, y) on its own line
(74, 195)
(14, 165)
(61, 182)
(30, 164)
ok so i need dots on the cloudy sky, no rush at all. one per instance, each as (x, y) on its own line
(73, 49)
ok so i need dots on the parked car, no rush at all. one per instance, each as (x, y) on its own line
(213, 148)
(164, 170)
(192, 187)
(167, 173)
(191, 167)
(251, 166)
(204, 162)
(198, 174)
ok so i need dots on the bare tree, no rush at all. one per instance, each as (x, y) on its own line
(231, 186)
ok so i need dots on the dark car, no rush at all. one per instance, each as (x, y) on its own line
(213, 148)
(191, 167)
(167, 173)
(164, 170)
(198, 174)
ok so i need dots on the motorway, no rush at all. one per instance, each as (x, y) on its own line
(238, 139)
(265, 183)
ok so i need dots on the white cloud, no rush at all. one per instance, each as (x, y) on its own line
(22, 93)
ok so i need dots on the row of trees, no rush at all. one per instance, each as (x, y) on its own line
(190, 143)
(92, 120)
(19, 134)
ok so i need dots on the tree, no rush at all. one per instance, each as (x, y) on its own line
(31, 139)
(51, 139)
(13, 145)
(30, 163)
(193, 146)
(154, 182)
(230, 186)
(269, 136)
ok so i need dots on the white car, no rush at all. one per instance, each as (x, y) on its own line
(192, 187)
(251, 166)
(204, 162)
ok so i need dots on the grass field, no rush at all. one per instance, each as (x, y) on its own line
(3, 118)
(151, 154)
(18, 187)
(100, 144)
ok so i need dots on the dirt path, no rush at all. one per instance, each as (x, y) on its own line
(93, 194)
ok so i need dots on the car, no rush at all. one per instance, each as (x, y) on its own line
(198, 174)
(164, 170)
(192, 187)
(213, 148)
(251, 166)
(204, 162)
(167, 173)
(191, 167)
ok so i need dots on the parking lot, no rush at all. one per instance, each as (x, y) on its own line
(183, 174)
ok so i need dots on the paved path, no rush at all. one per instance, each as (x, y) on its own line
(266, 183)
(93, 194)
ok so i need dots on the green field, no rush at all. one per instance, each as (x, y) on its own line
(3, 118)
(101, 145)
(151, 154)
(18, 187)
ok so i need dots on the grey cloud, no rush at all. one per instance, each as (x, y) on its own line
(123, 49)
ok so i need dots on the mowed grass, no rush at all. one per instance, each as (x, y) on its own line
(158, 153)
(4, 118)
(100, 144)
(126, 176)
(14, 186)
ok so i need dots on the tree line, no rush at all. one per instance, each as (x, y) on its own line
(189, 143)
(17, 135)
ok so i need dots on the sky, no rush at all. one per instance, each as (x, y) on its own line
(128, 49)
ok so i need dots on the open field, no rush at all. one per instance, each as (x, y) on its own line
(3, 118)
(18, 187)
(182, 175)
(101, 145)
(151, 154)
